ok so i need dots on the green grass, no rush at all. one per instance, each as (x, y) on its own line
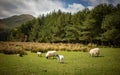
(76, 63)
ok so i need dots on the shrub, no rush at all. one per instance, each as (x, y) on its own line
(14, 52)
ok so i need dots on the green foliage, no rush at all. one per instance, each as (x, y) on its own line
(111, 26)
(90, 26)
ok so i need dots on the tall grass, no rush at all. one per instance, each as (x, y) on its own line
(16, 47)
(10, 48)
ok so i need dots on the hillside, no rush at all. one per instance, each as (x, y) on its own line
(3, 25)
(7, 24)
(16, 20)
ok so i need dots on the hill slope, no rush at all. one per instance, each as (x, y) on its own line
(8, 23)
(16, 20)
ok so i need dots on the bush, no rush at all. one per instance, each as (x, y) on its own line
(14, 52)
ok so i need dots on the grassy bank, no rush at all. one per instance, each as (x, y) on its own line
(76, 63)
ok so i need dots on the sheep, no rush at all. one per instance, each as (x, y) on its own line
(51, 54)
(95, 52)
(21, 55)
(39, 53)
(61, 58)
(18, 54)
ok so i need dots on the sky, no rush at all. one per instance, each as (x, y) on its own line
(38, 7)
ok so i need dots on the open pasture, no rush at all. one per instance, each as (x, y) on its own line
(75, 63)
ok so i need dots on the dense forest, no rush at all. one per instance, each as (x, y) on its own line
(100, 25)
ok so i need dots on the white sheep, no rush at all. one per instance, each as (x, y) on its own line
(51, 54)
(18, 54)
(95, 52)
(39, 53)
(61, 58)
(21, 55)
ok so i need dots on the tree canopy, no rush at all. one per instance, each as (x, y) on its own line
(100, 25)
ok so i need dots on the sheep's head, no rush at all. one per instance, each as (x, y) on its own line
(57, 55)
(46, 57)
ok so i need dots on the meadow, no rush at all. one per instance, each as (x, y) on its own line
(75, 63)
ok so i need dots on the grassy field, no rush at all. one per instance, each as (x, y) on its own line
(76, 63)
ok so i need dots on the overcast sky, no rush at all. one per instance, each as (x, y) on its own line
(37, 7)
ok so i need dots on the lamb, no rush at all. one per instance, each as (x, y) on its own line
(21, 55)
(95, 52)
(51, 54)
(39, 53)
(61, 58)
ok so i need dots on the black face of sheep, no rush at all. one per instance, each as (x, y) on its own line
(46, 57)
(21, 55)
(57, 56)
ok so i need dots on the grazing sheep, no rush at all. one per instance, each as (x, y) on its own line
(39, 53)
(51, 54)
(95, 52)
(61, 58)
(21, 55)
(18, 54)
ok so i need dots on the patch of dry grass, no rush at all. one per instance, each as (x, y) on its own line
(16, 47)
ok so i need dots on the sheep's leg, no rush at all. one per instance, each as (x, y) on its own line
(98, 54)
(53, 57)
(91, 54)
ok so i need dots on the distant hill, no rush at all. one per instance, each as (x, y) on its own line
(8, 23)
(16, 20)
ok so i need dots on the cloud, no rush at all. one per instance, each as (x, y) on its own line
(97, 2)
(90, 7)
(115, 2)
(35, 7)
(74, 8)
